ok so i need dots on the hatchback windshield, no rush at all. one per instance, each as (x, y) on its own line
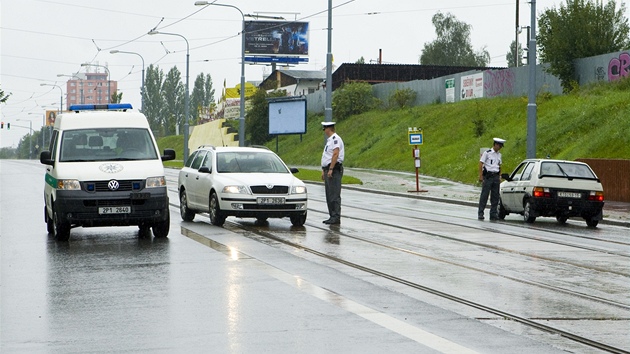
(107, 144)
(249, 162)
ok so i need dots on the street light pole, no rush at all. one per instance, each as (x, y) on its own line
(241, 126)
(109, 98)
(60, 96)
(80, 81)
(115, 51)
(186, 97)
(328, 107)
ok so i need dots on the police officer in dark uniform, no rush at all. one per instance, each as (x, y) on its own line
(490, 175)
(332, 171)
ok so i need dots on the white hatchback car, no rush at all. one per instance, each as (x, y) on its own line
(563, 189)
(246, 182)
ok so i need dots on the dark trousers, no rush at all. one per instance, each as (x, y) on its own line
(490, 187)
(333, 192)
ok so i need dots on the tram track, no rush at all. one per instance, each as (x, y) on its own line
(532, 323)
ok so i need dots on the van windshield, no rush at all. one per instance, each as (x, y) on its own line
(107, 144)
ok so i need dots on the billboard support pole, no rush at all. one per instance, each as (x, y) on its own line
(328, 108)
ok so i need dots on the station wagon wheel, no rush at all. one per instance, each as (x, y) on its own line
(216, 218)
(298, 220)
(61, 228)
(527, 213)
(562, 219)
(186, 214)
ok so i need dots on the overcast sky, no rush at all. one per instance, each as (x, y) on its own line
(43, 38)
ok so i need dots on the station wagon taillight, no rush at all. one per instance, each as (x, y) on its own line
(540, 192)
(596, 196)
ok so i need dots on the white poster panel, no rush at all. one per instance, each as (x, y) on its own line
(472, 86)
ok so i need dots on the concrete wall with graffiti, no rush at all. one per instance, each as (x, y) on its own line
(507, 82)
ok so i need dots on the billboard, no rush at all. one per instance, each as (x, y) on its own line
(276, 38)
(287, 116)
(472, 86)
(51, 116)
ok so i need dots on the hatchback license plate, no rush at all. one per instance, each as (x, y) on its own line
(569, 195)
(270, 200)
(114, 210)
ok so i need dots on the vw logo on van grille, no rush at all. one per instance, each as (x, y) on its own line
(113, 185)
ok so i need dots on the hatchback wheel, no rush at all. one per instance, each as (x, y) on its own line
(527, 213)
(562, 219)
(186, 214)
(216, 217)
(591, 223)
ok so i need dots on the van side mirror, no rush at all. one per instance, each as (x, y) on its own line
(506, 176)
(204, 169)
(44, 158)
(169, 154)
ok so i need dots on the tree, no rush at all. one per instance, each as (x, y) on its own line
(580, 29)
(353, 98)
(154, 101)
(509, 57)
(197, 97)
(3, 97)
(202, 98)
(360, 61)
(257, 123)
(452, 46)
(116, 97)
(173, 92)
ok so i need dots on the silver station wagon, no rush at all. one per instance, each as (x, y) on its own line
(245, 182)
(554, 188)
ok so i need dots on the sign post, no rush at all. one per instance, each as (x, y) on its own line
(416, 138)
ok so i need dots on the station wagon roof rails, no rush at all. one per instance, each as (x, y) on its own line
(207, 146)
(101, 107)
(260, 147)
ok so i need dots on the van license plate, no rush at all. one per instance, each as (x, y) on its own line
(270, 200)
(569, 195)
(114, 210)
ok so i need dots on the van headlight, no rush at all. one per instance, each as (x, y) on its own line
(235, 189)
(298, 189)
(69, 184)
(153, 182)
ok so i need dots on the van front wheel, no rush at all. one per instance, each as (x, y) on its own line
(160, 229)
(61, 229)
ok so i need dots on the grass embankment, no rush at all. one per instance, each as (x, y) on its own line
(591, 123)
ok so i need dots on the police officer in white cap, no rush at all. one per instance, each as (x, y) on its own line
(332, 171)
(490, 175)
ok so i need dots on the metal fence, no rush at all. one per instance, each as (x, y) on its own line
(614, 176)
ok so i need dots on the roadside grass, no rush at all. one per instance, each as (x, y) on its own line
(593, 122)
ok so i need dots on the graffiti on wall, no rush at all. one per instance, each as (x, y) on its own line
(499, 82)
(619, 67)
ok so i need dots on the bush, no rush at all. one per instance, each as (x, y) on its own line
(402, 98)
(354, 98)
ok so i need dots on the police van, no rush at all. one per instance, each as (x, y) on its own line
(103, 169)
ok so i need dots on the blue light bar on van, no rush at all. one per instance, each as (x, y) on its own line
(95, 107)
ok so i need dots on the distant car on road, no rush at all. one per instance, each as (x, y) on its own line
(541, 187)
(245, 182)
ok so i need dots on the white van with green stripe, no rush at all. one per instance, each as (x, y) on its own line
(104, 169)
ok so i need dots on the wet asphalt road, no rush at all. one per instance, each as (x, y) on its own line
(209, 289)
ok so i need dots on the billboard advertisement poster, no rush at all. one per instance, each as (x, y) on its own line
(276, 38)
(287, 116)
(472, 86)
(50, 118)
